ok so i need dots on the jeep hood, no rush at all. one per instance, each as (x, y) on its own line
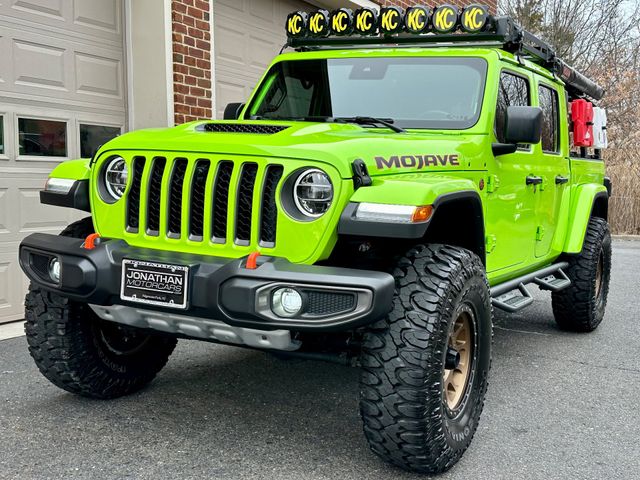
(336, 144)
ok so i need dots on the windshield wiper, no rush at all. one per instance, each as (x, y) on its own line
(386, 122)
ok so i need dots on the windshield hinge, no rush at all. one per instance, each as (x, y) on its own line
(361, 176)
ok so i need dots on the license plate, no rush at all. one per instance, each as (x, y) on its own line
(154, 283)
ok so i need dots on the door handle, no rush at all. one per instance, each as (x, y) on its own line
(534, 180)
(560, 180)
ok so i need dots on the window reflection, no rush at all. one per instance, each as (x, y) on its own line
(47, 138)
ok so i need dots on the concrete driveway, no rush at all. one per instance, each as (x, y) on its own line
(560, 405)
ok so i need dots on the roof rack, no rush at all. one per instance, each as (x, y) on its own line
(501, 30)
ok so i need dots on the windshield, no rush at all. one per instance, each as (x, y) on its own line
(415, 92)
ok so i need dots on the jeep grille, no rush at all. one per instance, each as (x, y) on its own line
(181, 187)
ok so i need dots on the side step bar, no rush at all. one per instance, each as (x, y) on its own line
(513, 295)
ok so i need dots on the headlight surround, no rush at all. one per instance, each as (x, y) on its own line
(115, 176)
(313, 193)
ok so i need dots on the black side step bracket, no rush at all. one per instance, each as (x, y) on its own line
(513, 295)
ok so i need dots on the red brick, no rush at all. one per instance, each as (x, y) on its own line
(196, 72)
(187, 40)
(204, 64)
(194, 32)
(189, 80)
(181, 88)
(203, 45)
(190, 21)
(180, 28)
(180, 108)
(179, 7)
(178, 78)
(202, 5)
(196, 52)
(195, 13)
(204, 102)
(191, 61)
(204, 83)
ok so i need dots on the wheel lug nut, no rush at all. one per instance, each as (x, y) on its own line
(452, 359)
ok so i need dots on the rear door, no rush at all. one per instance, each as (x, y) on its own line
(510, 212)
(552, 167)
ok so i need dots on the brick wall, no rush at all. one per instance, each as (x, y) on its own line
(191, 60)
(492, 4)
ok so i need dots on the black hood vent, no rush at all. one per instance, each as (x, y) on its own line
(242, 128)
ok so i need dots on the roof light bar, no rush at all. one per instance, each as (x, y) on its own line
(419, 24)
(390, 21)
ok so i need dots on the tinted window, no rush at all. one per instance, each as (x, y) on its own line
(93, 136)
(1, 134)
(46, 138)
(514, 91)
(549, 105)
(416, 92)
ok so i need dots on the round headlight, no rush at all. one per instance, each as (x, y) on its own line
(313, 193)
(115, 177)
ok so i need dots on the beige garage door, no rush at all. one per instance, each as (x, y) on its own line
(247, 35)
(62, 92)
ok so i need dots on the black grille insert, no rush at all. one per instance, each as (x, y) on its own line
(244, 203)
(196, 213)
(269, 211)
(321, 303)
(133, 199)
(221, 202)
(243, 128)
(175, 197)
(154, 195)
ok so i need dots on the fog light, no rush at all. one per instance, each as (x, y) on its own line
(54, 270)
(286, 302)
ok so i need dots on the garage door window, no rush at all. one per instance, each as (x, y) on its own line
(45, 138)
(93, 136)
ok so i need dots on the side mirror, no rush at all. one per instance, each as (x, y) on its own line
(232, 111)
(522, 125)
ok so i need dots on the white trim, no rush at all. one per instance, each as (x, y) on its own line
(168, 32)
(128, 59)
(214, 96)
(345, 3)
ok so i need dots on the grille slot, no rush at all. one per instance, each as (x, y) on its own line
(244, 203)
(175, 197)
(329, 303)
(242, 128)
(154, 195)
(221, 202)
(269, 211)
(133, 199)
(196, 213)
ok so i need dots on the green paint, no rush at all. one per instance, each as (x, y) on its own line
(525, 227)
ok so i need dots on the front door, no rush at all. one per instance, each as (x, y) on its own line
(510, 212)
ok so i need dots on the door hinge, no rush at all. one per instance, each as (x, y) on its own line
(493, 182)
(490, 243)
(539, 233)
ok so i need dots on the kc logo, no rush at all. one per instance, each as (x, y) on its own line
(445, 18)
(342, 21)
(391, 20)
(366, 21)
(474, 18)
(296, 24)
(417, 19)
(319, 23)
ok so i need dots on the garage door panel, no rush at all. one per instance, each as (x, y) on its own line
(49, 8)
(5, 227)
(98, 14)
(98, 76)
(38, 65)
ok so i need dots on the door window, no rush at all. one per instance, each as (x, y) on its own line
(92, 137)
(548, 98)
(46, 138)
(514, 91)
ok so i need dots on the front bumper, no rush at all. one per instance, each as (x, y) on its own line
(220, 289)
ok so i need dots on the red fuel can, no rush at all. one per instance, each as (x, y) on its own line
(582, 118)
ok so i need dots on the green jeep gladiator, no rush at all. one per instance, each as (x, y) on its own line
(394, 177)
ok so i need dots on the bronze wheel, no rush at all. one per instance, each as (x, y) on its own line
(459, 359)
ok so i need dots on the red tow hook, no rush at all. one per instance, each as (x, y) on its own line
(91, 241)
(252, 261)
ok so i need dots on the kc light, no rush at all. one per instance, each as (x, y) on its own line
(417, 19)
(388, 213)
(474, 18)
(313, 193)
(59, 185)
(366, 21)
(115, 177)
(445, 19)
(319, 23)
(341, 22)
(286, 302)
(391, 20)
